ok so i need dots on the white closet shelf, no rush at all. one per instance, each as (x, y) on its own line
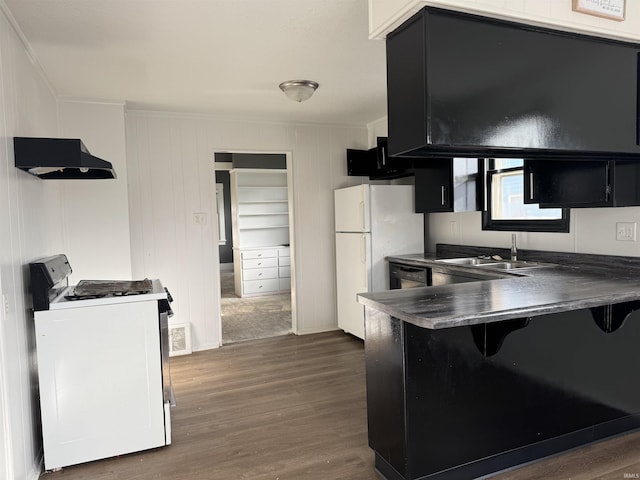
(264, 228)
(261, 214)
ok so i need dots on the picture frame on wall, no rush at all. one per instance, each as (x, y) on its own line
(610, 9)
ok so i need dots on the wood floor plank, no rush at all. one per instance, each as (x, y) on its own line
(293, 408)
(280, 408)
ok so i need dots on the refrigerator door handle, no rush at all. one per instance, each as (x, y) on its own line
(362, 215)
(363, 257)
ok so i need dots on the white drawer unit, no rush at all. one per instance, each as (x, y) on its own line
(260, 225)
(262, 271)
(261, 287)
(259, 273)
(260, 262)
(264, 253)
(284, 261)
(284, 272)
(285, 284)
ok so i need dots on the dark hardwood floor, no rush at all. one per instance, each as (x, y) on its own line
(280, 408)
(293, 408)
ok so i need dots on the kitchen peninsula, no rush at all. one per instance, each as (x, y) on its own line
(468, 379)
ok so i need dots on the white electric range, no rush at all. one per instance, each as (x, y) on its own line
(103, 366)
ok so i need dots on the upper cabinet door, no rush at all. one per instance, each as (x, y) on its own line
(575, 184)
(465, 85)
(352, 209)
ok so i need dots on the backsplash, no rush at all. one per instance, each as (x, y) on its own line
(592, 230)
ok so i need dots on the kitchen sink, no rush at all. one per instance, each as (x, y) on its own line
(510, 265)
(490, 263)
(468, 261)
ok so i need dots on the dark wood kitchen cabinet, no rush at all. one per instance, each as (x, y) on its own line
(376, 164)
(447, 185)
(465, 85)
(463, 402)
(575, 184)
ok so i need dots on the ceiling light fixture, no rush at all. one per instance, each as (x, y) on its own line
(298, 90)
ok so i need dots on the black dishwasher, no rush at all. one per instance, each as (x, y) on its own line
(405, 276)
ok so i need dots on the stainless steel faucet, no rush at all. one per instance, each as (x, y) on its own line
(514, 249)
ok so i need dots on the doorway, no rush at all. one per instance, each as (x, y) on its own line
(253, 192)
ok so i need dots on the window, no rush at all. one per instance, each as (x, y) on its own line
(504, 203)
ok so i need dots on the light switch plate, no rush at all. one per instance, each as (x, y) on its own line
(626, 231)
(200, 218)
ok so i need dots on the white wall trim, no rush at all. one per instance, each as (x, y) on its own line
(376, 123)
(321, 330)
(6, 456)
(98, 101)
(27, 47)
(411, 7)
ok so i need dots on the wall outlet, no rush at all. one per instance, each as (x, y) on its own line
(626, 231)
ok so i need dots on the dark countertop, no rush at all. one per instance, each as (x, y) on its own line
(572, 282)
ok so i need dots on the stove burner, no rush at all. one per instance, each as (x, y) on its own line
(82, 297)
(109, 288)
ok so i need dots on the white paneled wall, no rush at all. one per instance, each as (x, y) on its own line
(170, 166)
(29, 229)
(592, 230)
(96, 212)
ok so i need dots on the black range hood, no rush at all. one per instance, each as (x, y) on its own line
(59, 158)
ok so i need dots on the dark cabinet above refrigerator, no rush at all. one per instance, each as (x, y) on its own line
(376, 164)
(462, 85)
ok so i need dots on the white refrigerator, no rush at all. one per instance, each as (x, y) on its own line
(371, 222)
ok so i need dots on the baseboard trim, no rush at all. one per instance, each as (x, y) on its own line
(36, 467)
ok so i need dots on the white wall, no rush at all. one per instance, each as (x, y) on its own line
(96, 212)
(377, 128)
(29, 229)
(170, 162)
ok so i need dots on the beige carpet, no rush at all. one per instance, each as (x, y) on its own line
(250, 318)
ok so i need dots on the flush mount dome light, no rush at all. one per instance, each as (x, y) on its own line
(298, 90)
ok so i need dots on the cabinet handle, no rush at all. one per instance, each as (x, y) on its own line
(530, 185)
(363, 257)
(442, 191)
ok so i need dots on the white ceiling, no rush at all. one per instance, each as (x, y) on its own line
(225, 57)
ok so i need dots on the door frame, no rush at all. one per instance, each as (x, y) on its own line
(292, 247)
